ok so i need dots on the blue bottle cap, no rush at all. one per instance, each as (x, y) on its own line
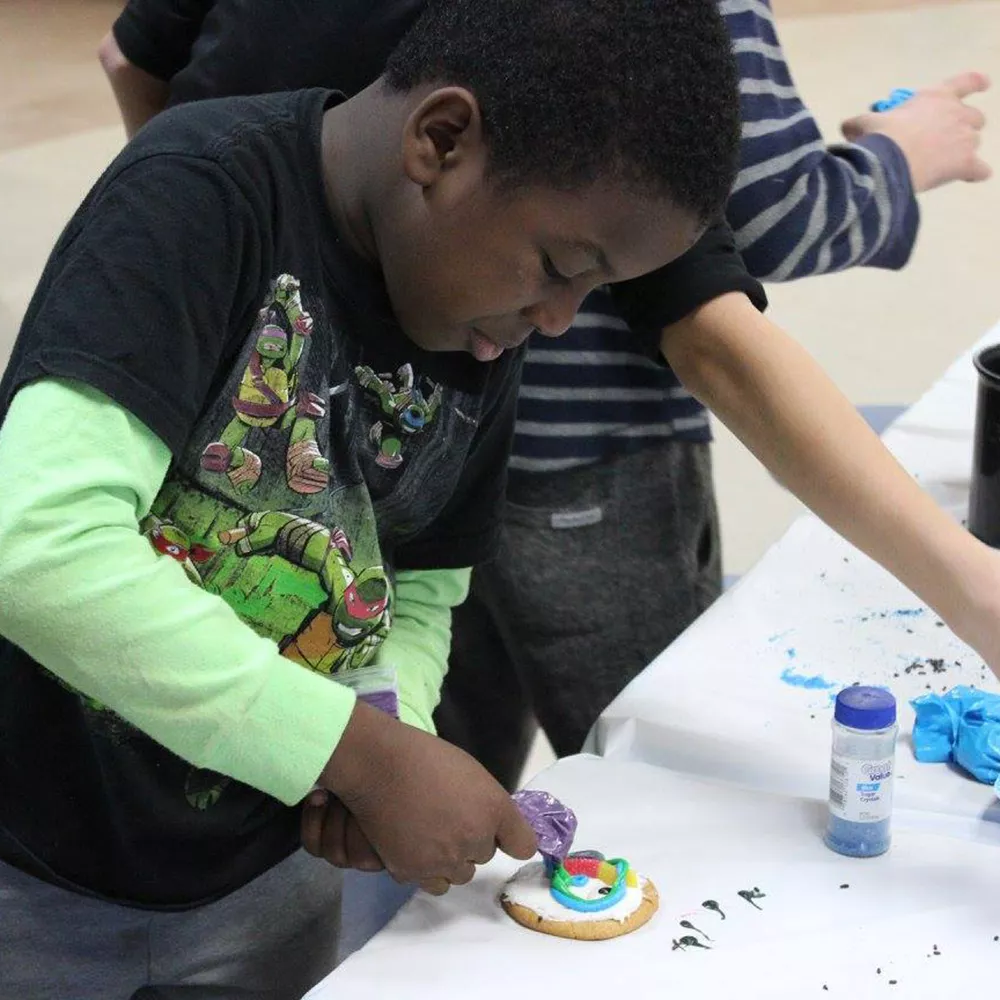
(865, 708)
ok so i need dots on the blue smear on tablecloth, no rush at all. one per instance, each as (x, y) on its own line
(817, 683)
(962, 725)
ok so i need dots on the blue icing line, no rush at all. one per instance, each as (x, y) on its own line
(817, 683)
(908, 612)
(790, 653)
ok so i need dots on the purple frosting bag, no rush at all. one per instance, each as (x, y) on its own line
(554, 824)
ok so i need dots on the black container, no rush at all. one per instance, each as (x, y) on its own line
(984, 496)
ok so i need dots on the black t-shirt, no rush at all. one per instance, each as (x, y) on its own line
(204, 286)
(215, 48)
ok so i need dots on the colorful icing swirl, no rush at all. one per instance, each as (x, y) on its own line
(578, 869)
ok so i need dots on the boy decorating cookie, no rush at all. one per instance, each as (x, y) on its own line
(254, 434)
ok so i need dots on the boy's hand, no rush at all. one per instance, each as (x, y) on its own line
(429, 811)
(937, 132)
(330, 832)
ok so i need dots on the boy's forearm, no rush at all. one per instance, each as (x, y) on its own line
(778, 401)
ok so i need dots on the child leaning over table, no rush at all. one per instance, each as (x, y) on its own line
(254, 433)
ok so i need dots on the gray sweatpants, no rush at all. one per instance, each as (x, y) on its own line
(271, 940)
(599, 569)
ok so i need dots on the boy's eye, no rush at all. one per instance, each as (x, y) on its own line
(551, 271)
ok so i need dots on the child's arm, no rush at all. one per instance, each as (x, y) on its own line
(86, 595)
(800, 207)
(420, 639)
(149, 42)
(778, 401)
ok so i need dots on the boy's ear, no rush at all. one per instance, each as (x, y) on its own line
(443, 132)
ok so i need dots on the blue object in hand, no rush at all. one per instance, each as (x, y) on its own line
(962, 725)
(899, 96)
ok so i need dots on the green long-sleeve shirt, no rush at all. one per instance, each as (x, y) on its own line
(87, 596)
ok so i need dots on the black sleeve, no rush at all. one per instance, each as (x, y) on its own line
(468, 529)
(157, 35)
(145, 292)
(264, 46)
(712, 267)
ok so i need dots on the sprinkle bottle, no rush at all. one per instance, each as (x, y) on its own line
(861, 772)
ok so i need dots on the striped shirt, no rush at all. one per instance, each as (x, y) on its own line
(798, 207)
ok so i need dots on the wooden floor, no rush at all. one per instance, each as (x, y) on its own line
(796, 8)
(50, 84)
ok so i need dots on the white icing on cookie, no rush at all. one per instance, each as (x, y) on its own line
(529, 887)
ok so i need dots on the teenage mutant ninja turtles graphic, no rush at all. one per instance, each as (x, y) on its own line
(269, 398)
(344, 633)
(404, 407)
(170, 541)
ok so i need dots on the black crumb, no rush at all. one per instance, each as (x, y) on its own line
(812, 716)
(996, 937)
(939, 624)
(895, 675)
(935, 951)
(878, 971)
(910, 631)
(846, 559)
(825, 987)
(892, 982)
(846, 885)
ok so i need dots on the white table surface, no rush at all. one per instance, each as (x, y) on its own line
(714, 778)
(699, 840)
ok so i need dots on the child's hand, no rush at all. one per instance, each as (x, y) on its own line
(938, 133)
(429, 811)
(330, 832)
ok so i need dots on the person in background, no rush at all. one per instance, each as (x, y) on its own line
(611, 545)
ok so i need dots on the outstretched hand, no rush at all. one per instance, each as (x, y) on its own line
(937, 131)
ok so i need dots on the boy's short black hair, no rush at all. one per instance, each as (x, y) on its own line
(640, 91)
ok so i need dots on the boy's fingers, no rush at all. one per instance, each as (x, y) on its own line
(965, 84)
(311, 826)
(463, 874)
(435, 886)
(974, 118)
(360, 853)
(334, 835)
(514, 835)
(979, 170)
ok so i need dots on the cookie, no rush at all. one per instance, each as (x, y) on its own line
(528, 898)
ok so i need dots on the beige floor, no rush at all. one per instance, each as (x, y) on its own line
(882, 337)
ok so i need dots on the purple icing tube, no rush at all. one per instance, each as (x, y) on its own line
(384, 701)
(554, 824)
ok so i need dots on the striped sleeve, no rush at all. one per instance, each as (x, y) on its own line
(800, 207)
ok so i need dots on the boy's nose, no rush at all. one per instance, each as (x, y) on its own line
(554, 315)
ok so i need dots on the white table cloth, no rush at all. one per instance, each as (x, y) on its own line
(700, 840)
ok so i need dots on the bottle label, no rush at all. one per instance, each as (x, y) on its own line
(861, 790)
